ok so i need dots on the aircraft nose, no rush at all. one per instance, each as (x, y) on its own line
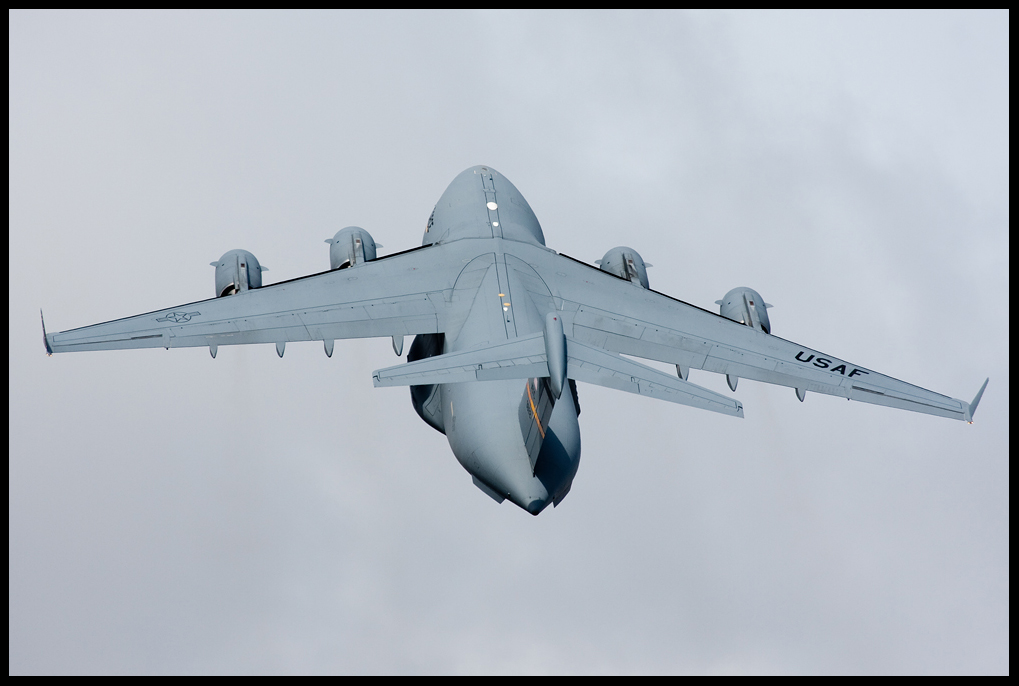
(482, 203)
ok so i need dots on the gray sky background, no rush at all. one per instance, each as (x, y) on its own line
(173, 513)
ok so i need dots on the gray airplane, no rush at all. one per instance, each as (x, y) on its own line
(504, 327)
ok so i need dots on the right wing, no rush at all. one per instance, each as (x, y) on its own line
(605, 311)
(401, 294)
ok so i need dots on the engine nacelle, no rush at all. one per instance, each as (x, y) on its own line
(426, 399)
(746, 306)
(625, 263)
(350, 246)
(237, 271)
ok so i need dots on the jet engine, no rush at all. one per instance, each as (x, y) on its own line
(625, 263)
(746, 306)
(237, 271)
(426, 399)
(350, 246)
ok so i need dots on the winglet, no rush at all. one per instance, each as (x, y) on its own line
(972, 408)
(49, 350)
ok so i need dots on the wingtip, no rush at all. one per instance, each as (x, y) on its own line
(45, 340)
(971, 409)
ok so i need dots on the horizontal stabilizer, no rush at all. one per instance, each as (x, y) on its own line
(518, 358)
(524, 358)
(596, 366)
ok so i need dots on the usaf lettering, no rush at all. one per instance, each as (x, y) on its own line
(824, 363)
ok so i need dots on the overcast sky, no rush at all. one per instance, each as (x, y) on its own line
(173, 513)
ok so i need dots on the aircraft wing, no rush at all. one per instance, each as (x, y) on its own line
(396, 295)
(608, 312)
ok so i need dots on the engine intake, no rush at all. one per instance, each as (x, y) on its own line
(625, 263)
(746, 306)
(237, 271)
(350, 246)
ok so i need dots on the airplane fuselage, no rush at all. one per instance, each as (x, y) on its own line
(504, 328)
(515, 438)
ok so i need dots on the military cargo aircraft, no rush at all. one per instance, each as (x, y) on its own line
(503, 329)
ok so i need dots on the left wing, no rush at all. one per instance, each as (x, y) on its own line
(608, 312)
(397, 295)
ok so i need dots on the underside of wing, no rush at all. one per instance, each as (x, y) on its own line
(607, 312)
(397, 295)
